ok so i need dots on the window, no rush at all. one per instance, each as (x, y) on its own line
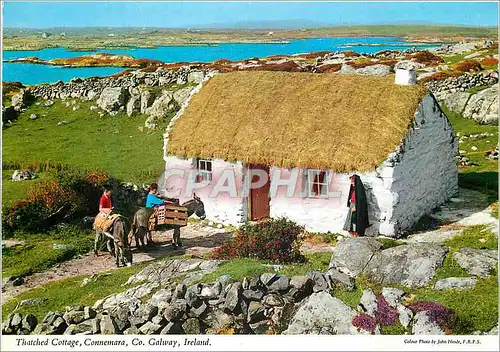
(317, 183)
(204, 168)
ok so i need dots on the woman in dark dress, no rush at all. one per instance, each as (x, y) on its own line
(356, 221)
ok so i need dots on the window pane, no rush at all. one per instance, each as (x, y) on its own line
(209, 165)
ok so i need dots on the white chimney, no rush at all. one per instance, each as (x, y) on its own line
(405, 77)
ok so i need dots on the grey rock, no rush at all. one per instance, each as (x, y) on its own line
(33, 116)
(62, 123)
(44, 329)
(174, 311)
(16, 321)
(412, 265)
(322, 312)
(303, 284)
(179, 292)
(29, 322)
(150, 328)
(273, 300)
(159, 320)
(96, 325)
(279, 284)
(233, 297)
(133, 105)
(192, 326)
(147, 99)
(133, 330)
(111, 99)
(479, 262)
(319, 281)
(218, 319)
(422, 325)
(261, 327)
(191, 296)
(181, 95)
(121, 317)
(224, 281)
(6, 329)
(198, 310)
(19, 175)
(405, 315)
(351, 255)
(267, 278)
(172, 328)
(59, 324)
(374, 70)
(457, 283)
(211, 293)
(108, 326)
(339, 280)
(253, 295)
(145, 312)
(456, 102)
(74, 329)
(368, 302)
(161, 297)
(89, 313)
(161, 106)
(483, 106)
(255, 312)
(195, 76)
(392, 296)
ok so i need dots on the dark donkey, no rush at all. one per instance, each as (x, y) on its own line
(120, 239)
(140, 231)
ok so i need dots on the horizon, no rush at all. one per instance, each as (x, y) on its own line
(223, 15)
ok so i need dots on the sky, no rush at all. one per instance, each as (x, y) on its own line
(200, 14)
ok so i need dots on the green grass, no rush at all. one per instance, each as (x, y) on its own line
(483, 177)
(477, 89)
(15, 191)
(37, 253)
(245, 267)
(114, 144)
(68, 292)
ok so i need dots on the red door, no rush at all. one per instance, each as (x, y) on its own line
(259, 197)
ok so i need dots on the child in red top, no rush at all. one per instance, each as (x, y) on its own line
(105, 205)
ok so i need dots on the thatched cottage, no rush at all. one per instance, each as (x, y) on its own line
(312, 131)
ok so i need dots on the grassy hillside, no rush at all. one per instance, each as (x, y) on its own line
(116, 144)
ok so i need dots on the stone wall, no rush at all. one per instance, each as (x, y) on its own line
(462, 83)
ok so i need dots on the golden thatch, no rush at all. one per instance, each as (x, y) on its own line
(322, 121)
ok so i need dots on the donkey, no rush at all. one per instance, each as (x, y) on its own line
(140, 230)
(119, 239)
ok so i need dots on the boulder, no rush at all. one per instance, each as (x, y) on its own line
(16, 321)
(89, 313)
(147, 99)
(321, 312)
(351, 255)
(422, 325)
(319, 281)
(175, 310)
(198, 310)
(279, 284)
(161, 298)
(195, 76)
(172, 328)
(339, 280)
(408, 65)
(273, 300)
(483, 106)
(134, 105)
(133, 330)
(108, 326)
(233, 297)
(33, 116)
(192, 326)
(45, 329)
(21, 99)
(266, 279)
(479, 262)
(255, 312)
(150, 328)
(218, 319)
(161, 106)
(457, 101)
(181, 95)
(74, 317)
(111, 99)
(457, 283)
(392, 296)
(29, 322)
(405, 315)
(303, 285)
(412, 265)
(74, 329)
(20, 175)
(374, 70)
(368, 302)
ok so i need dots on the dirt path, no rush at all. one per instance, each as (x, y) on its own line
(197, 240)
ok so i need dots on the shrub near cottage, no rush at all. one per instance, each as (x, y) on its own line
(277, 240)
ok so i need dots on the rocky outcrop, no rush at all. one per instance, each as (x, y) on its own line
(479, 262)
(483, 106)
(457, 283)
(111, 99)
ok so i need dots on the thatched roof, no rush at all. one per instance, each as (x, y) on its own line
(325, 121)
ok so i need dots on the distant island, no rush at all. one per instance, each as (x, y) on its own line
(98, 38)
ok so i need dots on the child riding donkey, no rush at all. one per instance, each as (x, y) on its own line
(153, 201)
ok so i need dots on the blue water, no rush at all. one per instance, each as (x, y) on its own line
(34, 74)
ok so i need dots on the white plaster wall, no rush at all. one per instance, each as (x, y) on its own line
(221, 207)
(426, 174)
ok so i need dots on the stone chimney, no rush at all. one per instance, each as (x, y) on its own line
(405, 77)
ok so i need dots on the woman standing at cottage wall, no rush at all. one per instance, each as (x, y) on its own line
(356, 221)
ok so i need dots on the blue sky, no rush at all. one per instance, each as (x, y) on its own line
(193, 14)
